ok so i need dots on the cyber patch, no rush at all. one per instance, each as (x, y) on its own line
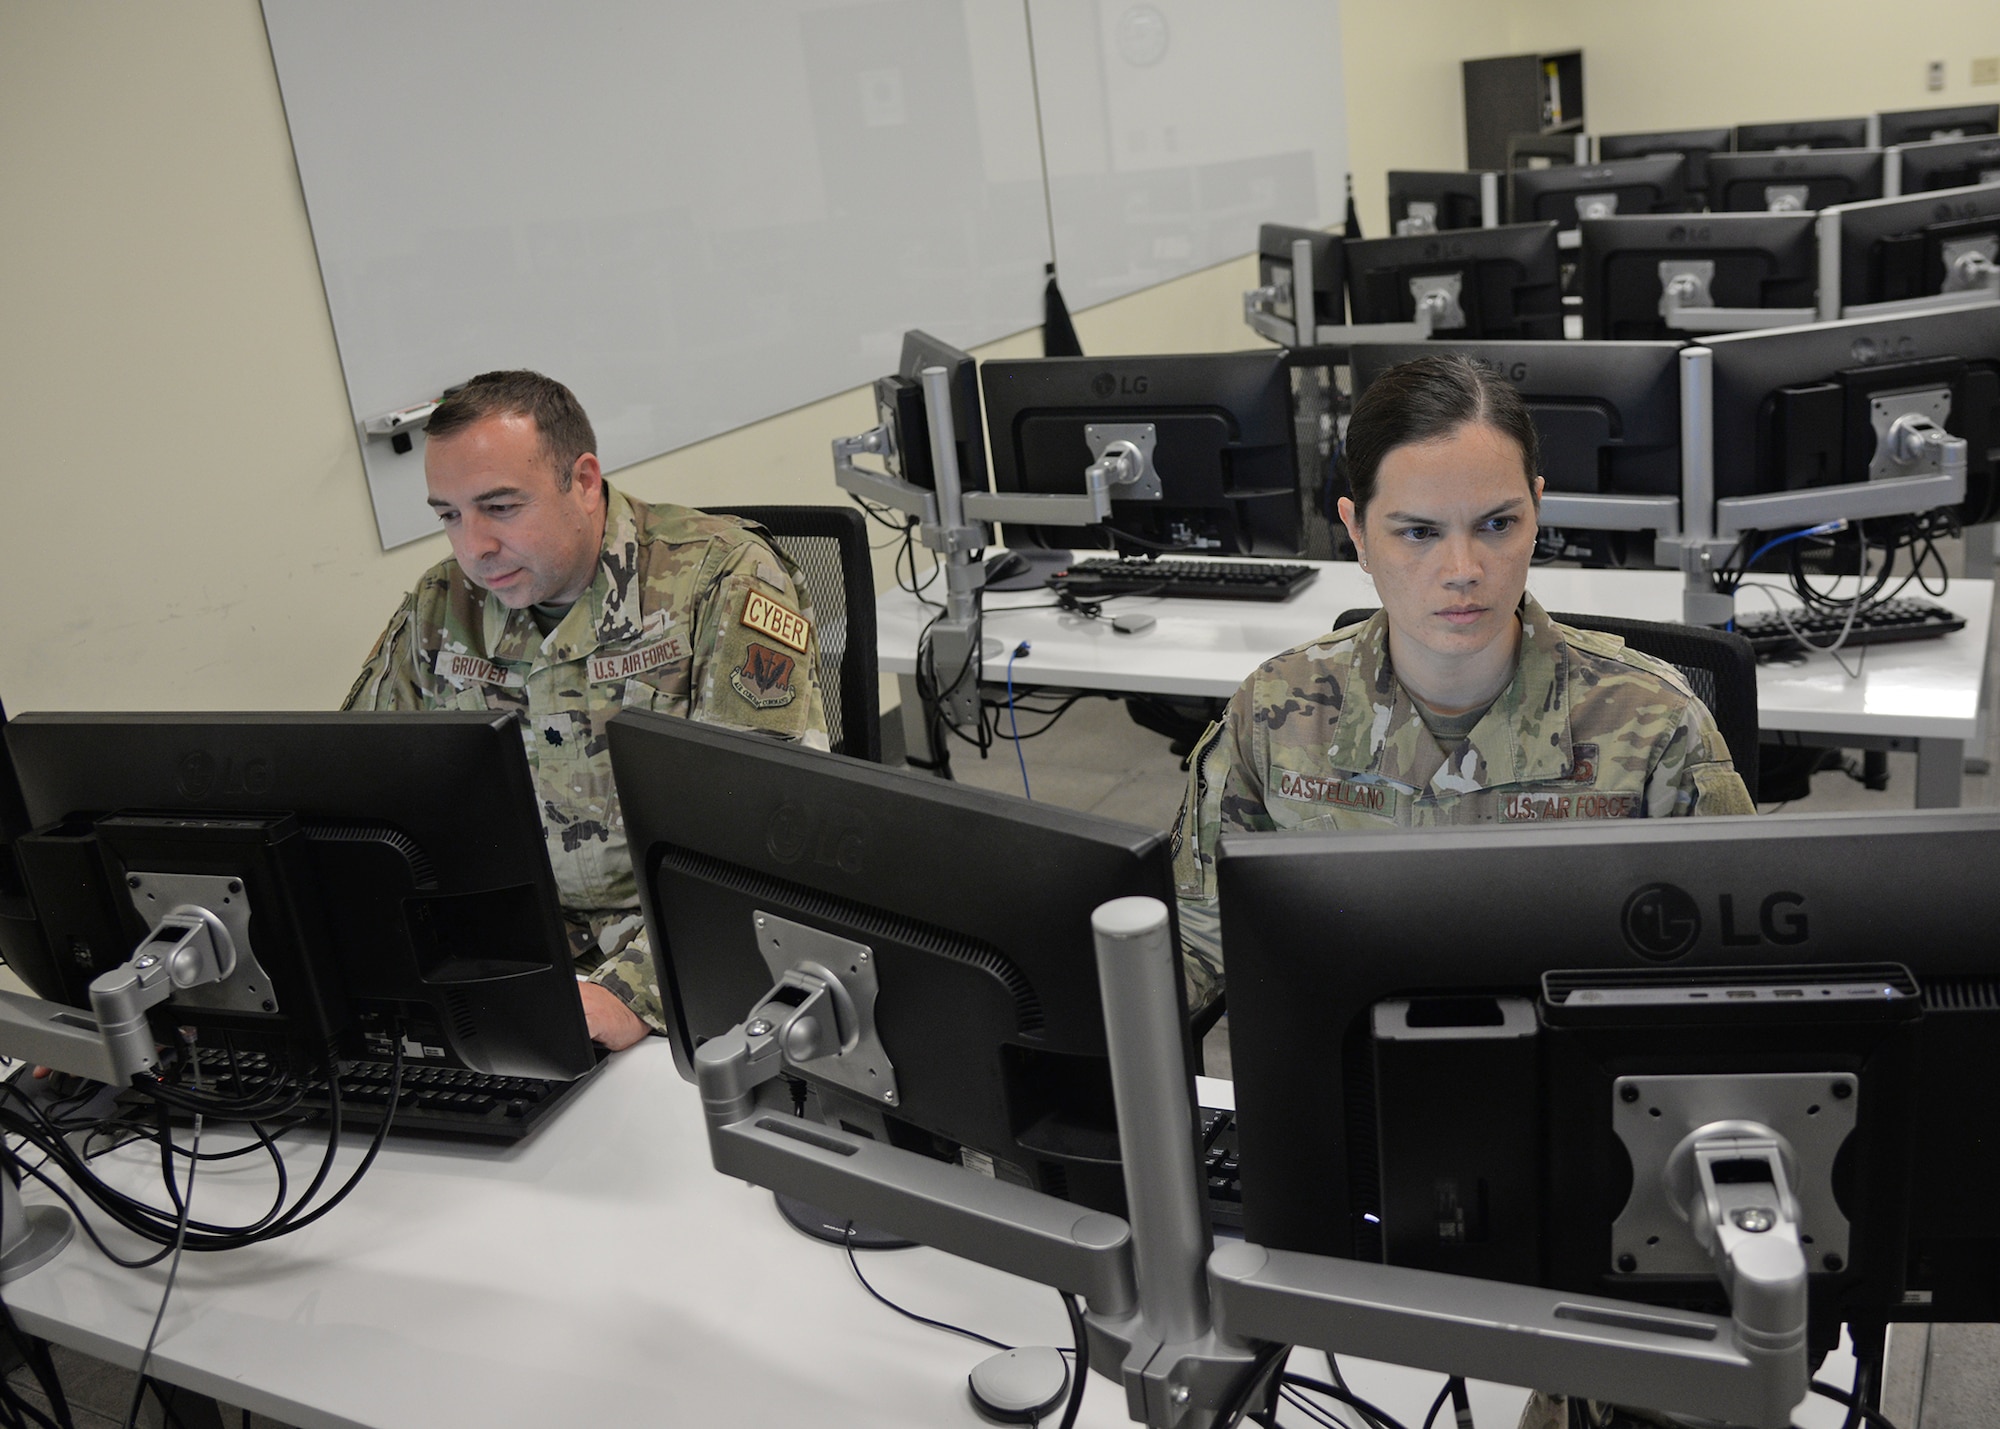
(462, 669)
(767, 617)
(1343, 793)
(764, 678)
(1523, 808)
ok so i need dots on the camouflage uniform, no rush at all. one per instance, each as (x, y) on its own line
(688, 613)
(1324, 737)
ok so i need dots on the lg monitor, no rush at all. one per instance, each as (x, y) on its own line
(1434, 202)
(380, 877)
(1810, 414)
(1607, 417)
(1953, 164)
(1492, 1051)
(1219, 469)
(1785, 182)
(1801, 134)
(1668, 275)
(1923, 126)
(1895, 250)
(1693, 145)
(956, 923)
(1277, 277)
(1564, 196)
(1478, 283)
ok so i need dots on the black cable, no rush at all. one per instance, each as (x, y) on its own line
(1080, 1371)
(1853, 1402)
(911, 1314)
(1232, 1410)
(1444, 1393)
(1340, 1383)
(1297, 1400)
(184, 1205)
(1346, 1397)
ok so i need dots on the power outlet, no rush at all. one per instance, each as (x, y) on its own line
(1986, 70)
(1934, 75)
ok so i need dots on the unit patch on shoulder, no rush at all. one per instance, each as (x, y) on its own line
(767, 617)
(764, 678)
(462, 670)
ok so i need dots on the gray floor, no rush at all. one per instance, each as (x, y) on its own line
(100, 1395)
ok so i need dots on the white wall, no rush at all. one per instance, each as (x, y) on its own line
(184, 521)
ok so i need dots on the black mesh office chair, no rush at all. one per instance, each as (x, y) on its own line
(830, 546)
(1718, 665)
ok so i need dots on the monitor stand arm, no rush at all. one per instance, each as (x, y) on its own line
(112, 1043)
(1178, 1320)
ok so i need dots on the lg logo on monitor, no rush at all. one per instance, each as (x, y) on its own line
(1662, 922)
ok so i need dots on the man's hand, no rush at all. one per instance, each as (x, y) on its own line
(611, 1022)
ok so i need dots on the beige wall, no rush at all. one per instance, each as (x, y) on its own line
(184, 521)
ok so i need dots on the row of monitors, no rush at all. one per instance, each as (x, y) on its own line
(1477, 1065)
(1661, 180)
(1791, 415)
(1506, 282)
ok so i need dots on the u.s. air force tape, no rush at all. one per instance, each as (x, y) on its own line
(767, 617)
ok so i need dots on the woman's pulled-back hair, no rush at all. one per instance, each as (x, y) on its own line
(1426, 401)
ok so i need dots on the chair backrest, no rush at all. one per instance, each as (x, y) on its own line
(829, 544)
(1719, 666)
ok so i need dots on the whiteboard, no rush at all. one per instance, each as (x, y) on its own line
(699, 215)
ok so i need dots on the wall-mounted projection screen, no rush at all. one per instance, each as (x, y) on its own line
(701, 215)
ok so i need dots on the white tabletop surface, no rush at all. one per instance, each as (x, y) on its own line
(602, 1273)
(1923, 689)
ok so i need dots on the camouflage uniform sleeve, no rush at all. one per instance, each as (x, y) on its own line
(388, 679)
(1224, 791)
(756, 648)
(627, 968)
(1694, 774)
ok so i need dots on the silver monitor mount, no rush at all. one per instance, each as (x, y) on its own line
(190, 947)
(955, 523)
(1179, 1321)
(1277, 312)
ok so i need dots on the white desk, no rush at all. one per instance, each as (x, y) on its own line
(1922, 696)
(602, 1273)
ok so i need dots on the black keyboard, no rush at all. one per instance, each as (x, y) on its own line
(1225, 1184)
(1884, 623)
(434, 1101)
(1184, 579)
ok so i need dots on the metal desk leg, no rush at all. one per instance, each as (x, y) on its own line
(1940, 772)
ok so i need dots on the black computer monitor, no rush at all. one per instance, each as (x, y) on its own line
(1224, 449)
(1274, 270)
(1895, 249)
(1953, 164)
(1694, 145)
(382, 874)
(1477, 283)
(1607, 415)
(1923, 126)
(1538, 151)
(974, 909)
(1425, 202)
(1785, 182)
(1726, 260)
(1795, 409)
(21, 942)
(899, 405)
(1427, 1025)
(1563, 195)
(1801, 134)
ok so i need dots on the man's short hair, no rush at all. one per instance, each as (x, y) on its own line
(558, 417)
